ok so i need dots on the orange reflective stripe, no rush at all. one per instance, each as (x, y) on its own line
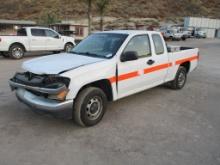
(187, 59)
(112, 79)
(124, 76)
(156, 68)
(149, 70)
(128, 76)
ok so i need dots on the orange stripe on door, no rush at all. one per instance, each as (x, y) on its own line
(156, 68)
(128, 76)
(149, 70)
(124, 76)
(187, 59)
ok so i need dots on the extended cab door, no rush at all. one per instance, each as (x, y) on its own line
(37, 39)
(156, 68)
(53, 40)
(130, 73)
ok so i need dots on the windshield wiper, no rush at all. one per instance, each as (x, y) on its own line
(91, 54)
(87, 54)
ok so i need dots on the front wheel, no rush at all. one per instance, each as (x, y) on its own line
(90, 106)
(180, 79)
(16, 51)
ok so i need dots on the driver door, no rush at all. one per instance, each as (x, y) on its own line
(130, 73)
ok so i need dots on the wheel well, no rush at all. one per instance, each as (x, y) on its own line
(69, 43)
(17, 43)
(104, 85)
(186, 65)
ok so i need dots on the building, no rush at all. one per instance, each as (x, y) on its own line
(210, 26)
(218, 33)
(10, 26)
(72, 28)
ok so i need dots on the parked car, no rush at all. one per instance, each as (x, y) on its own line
(106, 66)
(31, 39)
(199, 33)
(174, 35)
(187, 33)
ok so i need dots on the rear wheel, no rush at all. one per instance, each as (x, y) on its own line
(16, 51)
(68, 47)
(180, 79)
(89, 107)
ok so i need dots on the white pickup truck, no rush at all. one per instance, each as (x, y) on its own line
(30, 39)
(106, 66)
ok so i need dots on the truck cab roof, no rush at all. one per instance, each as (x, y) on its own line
(131, 32)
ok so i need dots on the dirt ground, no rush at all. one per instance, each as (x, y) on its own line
(156, 127)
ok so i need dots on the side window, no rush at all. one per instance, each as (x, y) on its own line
(158, 44)
(140, 44)
(38, 32)
(50, 33)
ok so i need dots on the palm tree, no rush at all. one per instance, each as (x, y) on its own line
(102, 6)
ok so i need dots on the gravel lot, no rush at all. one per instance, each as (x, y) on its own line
(156, 127)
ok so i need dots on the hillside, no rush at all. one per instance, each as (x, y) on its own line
(67, 9)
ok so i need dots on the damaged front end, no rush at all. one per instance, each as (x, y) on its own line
(49, 86)
(44, 92)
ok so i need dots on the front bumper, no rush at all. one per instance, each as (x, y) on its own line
(15, 85)
(44, 105)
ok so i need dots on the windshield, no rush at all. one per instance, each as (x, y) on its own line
(101, 45)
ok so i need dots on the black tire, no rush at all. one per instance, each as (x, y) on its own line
(68, 47)
(16, 51)
(180, 79)
(89, 107)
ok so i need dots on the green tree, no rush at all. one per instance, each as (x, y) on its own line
(102, 6)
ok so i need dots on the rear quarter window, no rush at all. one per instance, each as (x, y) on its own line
(38, 32)
(158, 44)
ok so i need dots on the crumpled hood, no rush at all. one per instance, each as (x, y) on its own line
(55, 64)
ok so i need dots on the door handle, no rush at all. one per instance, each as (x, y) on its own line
(150, 62)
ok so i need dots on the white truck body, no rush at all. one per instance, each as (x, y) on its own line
(125, 78)
(172, 34)
(36, 39)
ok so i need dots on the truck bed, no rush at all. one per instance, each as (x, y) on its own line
(172, 49)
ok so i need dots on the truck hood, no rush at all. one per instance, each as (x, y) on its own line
(58, 63)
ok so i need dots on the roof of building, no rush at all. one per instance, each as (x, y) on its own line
(17, 22)
(68, 24)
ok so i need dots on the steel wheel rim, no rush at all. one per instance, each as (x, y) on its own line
(94, 108)
(17, 52)
(181, 79)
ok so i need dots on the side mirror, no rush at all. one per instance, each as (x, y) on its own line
(129, 56)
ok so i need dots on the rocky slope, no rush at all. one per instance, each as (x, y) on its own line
(67, 9)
